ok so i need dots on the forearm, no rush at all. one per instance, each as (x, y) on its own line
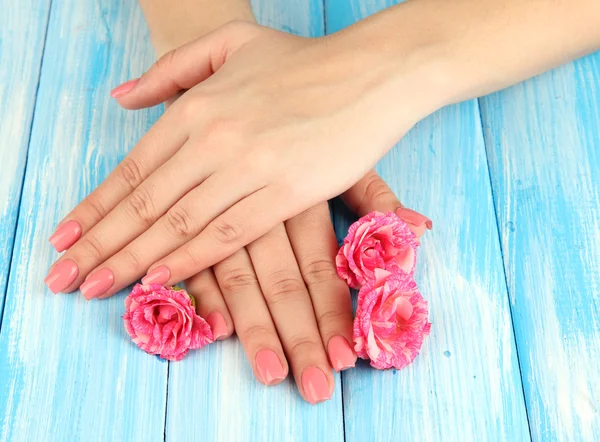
(173, 23)
(473, 47)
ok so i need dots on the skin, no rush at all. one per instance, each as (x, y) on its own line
(327, 108)
(281, 292)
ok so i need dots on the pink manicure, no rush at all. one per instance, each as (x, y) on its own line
(97, 284)
(66, 235)
(416, 222)
(341, 354)
(315, 385)
(125, 88)
(218, 325)
(269, 367)
(159, 275)
(61, 276)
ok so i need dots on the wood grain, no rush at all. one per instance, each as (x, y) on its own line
(465, 385)
(68, 372)
(213, 394)
(543, 140)
(22, 34)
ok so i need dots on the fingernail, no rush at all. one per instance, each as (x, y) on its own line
(218, 325)
(315, 385)
(66, 235)
(124, 88)
(341, 354)
(159, 275)
(269, 367)
(97, 284)
(61, 276)
(417, 222)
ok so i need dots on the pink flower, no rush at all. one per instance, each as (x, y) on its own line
(162, 321)
(391, 321)
(376, 241)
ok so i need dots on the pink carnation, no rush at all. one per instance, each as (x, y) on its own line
(376, 241)
(162, 321)
(391, 321)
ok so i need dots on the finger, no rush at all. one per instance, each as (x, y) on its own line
(184, 67)
(292, 312)
(180, 224)
(159, 144)
(372, 193)
(251, 318)
(130, 218)
(241, 224)
(210, 303)
(315, 246)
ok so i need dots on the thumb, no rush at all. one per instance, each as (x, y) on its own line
(371, 193)
(185, 67)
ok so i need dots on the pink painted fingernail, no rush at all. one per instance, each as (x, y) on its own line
(417, 222)
(315, 385)
(124, 88)
(159, 275)
(61, 276)
(97, 284)
(65, 236)
(218, 325)
(269, 367)
(341, 354)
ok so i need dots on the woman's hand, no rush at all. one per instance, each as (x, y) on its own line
(278, 128)
(282, 292)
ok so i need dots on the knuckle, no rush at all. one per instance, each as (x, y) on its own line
(319, 271)
(331, 318)
(93, 204)
(303, 345)
(139, 206)
(179, 222)
(187, 108)
(238, 279)
(133, 258)
(130, 173)
(284, 288)
(375, 189)
(226, 232)
(92, 247)
(165, 61)
(192, 258)
(255, 333)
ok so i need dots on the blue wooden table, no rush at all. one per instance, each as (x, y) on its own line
(511, 269)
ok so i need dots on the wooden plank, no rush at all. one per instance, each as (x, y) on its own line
(466, 384)
(213, 395)
(543, 140)
(68, 372)
(22, 33)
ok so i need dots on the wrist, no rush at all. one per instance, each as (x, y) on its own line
(175, 23)
(409, 64)
(445, 52)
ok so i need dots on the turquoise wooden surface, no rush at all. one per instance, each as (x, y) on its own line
(543, 142)
(217, 386)
(466, 384)
(69, 372)
(19, 74)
